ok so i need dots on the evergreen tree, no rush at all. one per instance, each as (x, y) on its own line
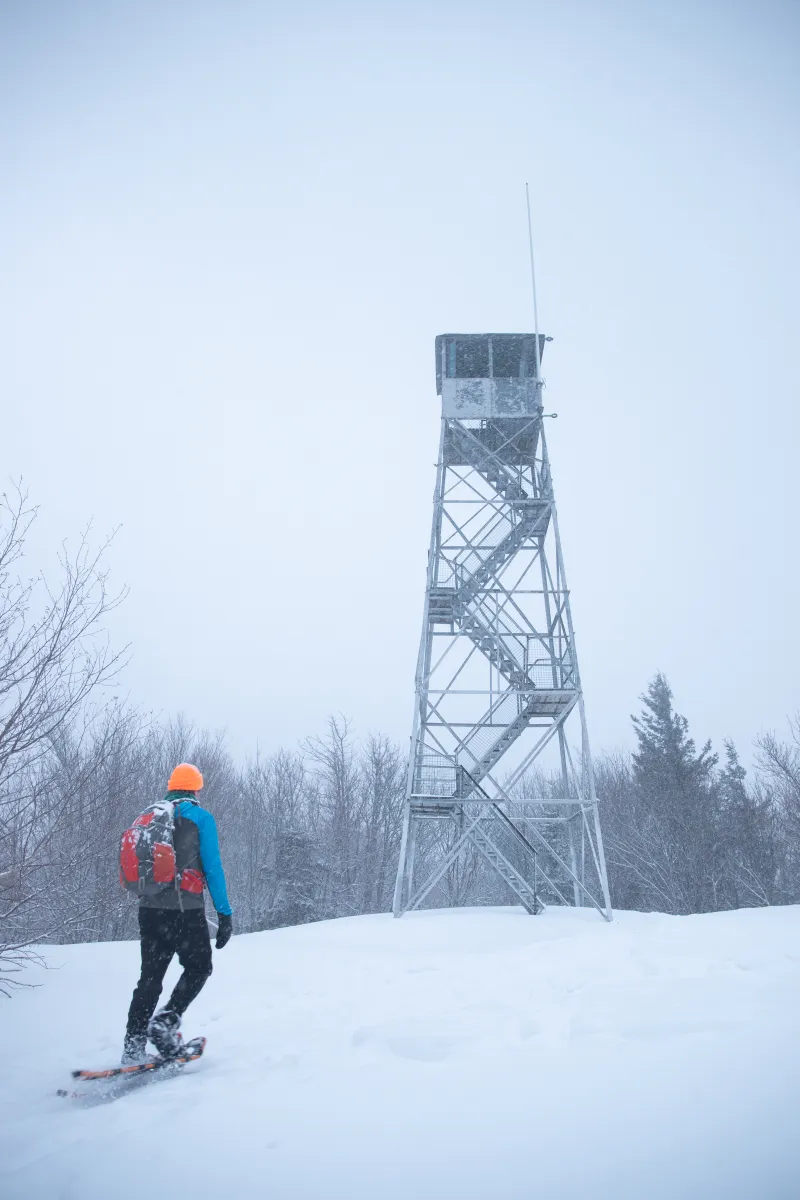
(666, 754)
(678, 806)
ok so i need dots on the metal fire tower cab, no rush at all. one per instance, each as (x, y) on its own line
(500, 766)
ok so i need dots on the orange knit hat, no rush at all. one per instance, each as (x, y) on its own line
(185, 778)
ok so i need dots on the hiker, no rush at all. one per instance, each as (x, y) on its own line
(167, 857)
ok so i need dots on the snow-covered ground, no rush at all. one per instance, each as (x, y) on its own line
(468, 1053)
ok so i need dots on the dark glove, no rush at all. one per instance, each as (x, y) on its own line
(224, 930)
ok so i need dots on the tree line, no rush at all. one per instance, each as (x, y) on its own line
(314, 832)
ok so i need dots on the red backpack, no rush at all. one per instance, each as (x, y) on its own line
(147, 863)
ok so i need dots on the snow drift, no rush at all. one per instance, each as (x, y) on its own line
(467, 1053)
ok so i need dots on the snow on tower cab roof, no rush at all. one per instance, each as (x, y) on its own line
(486, 356)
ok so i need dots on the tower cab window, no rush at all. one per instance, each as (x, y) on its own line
(483, 358)
(510, 358)
(472, 358)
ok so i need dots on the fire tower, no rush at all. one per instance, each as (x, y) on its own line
(500, 766)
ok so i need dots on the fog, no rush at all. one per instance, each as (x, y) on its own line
(230, 234)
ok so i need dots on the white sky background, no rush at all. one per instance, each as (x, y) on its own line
(230, 233)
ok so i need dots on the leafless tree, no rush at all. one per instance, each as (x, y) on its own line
(333, 761)
(780, 762)
(382, 782)
(54, 655)
(779, 765)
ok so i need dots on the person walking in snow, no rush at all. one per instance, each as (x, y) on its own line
(172, 918)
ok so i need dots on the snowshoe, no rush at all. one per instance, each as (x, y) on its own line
(188, 1052)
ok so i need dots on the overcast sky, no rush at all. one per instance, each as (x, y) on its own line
(229, 235)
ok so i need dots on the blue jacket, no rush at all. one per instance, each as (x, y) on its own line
(209, 852)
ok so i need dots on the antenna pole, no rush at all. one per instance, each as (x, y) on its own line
(536, 349)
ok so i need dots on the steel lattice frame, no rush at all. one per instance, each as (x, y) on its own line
(497, 676)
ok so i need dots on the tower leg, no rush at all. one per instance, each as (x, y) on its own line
(573, 857)
(601, 855)
(397, 906)
(573, 862)
(412, 850)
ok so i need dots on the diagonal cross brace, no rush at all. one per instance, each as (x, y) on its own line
(521, 888)
(487, 463)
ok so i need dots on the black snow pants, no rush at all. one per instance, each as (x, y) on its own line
(164, 933)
